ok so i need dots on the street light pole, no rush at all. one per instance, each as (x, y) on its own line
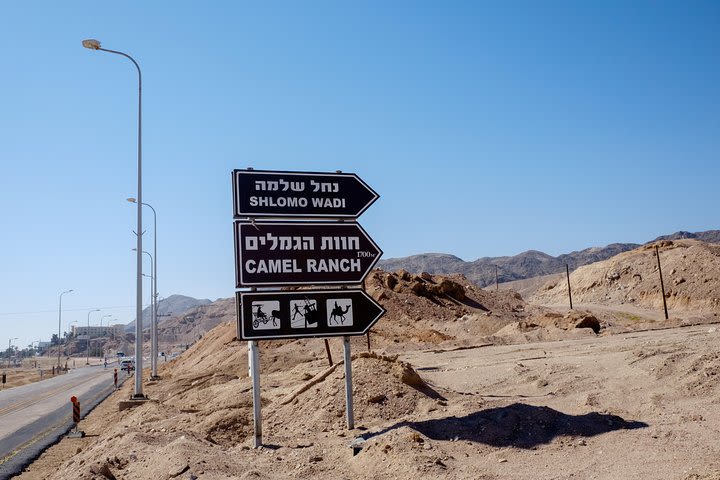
(87, 362)
(95, 45)
(154, 330)
(59, 319)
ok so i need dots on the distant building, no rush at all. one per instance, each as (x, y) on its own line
(98, 332)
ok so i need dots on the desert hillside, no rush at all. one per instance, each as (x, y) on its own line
(691, 275)
(422, 309)
(460, 383)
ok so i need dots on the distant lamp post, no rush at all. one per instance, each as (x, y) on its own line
(154, 330)
(93, 44)
(104, 317)
(87, 362)
(59, 318)
(68, 332)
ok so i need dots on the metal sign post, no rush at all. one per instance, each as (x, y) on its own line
(254, 361)
(348, 384)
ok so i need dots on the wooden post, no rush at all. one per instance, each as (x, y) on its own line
(496, 278)
(567, 270)
(662, 285)
(368, 340)
(327, 349)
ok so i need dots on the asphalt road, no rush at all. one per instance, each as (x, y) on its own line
(36, 415)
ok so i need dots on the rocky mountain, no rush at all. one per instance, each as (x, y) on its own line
(525, 265)
(710, 236)
(173, 305)
(193, 323)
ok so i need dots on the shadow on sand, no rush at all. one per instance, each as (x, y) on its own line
(517, 425)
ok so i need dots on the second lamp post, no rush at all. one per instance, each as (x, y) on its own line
(154, 329)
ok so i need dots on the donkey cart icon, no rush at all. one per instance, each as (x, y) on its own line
(261, 317)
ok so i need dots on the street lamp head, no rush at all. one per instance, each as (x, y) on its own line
(132, 200)
(91, 43)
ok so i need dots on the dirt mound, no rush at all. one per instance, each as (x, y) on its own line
(425, 308)
(384, 389)
(691, 275)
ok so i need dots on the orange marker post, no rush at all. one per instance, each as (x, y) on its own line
(74, 432)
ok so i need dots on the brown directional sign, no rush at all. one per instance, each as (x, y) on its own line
(261, 193)
(306, 313)
(292, 253)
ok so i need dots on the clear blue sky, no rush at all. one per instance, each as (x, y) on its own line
(488, 128)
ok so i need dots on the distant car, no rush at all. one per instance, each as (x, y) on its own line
(127, 364)
(120, 354)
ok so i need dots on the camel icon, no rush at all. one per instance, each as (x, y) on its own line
(339, 312)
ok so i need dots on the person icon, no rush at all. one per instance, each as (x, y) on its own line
(296, 311)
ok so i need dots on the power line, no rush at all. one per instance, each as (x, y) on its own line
(82, 309)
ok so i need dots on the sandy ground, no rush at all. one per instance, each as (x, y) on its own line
(630, 405)
(33, 370)
(461, 383)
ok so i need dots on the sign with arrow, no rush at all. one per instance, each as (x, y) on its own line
(306, 313)
(291, 253)
(260, 193)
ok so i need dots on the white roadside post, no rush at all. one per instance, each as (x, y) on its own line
(254, 360)
(348, 384)
(250, 352)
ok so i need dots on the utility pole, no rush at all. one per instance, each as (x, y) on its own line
(567, 270)
(662, 285)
